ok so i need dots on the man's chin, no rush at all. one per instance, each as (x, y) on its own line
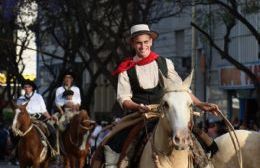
(143, 54)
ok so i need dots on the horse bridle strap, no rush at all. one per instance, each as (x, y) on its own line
(21, 133)
(87, 128)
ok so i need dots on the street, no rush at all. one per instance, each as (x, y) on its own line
(6, 164)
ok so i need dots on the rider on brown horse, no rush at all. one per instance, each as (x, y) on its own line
(138, 84)
(36, 108)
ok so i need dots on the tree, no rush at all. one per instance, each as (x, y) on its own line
(93, 32)
(229, 13)
(12, 63)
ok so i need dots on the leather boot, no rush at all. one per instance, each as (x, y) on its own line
(111, 157)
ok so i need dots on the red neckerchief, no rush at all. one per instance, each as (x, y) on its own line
(130, 63)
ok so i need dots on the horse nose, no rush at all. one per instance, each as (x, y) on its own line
(181, 139)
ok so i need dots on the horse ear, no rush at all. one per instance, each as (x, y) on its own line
(166, 83)
(187, 82)
(14, 105)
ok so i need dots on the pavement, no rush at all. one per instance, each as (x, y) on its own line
(5, 164)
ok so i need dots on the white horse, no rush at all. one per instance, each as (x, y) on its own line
(172, 137)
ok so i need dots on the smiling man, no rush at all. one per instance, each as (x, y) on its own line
(139, 86)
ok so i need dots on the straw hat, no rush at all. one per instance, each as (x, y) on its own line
(142, 29)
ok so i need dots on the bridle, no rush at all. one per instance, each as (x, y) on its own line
(161, 113)
(21, 133)
(83, 128)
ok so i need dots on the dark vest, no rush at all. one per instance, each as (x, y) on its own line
(147, 96)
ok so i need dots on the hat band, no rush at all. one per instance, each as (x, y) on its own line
(141, 32)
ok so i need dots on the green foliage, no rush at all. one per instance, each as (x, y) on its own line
(8, 115)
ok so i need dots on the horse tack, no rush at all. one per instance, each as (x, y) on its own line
(45, 142)
(74, 145)
(31, 150)
(21, 133)
(159, 112)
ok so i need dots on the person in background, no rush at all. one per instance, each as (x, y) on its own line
(36, 108)
(60, 99)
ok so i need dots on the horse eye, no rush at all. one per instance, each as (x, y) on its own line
(165, 105)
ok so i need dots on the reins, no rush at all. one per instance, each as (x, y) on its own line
(157, 112)
(82, 127)
(233, 138)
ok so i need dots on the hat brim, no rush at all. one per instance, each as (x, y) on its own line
(69, 73)
(29, 82)
(154, 35)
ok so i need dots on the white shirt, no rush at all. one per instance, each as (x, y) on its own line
(60, 101)
(147, 76)
(35, 104)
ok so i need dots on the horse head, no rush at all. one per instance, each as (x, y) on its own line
(21, 121)
(176, 106)
(84, 121)
(80, 128)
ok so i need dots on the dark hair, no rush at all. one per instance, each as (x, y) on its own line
(29, 82)
(67, 93)
(69, 72)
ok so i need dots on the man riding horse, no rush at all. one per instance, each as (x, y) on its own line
(36, 108)
(67, 95)
(138, 86)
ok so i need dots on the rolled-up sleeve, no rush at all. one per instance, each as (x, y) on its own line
(42, 104)
(59, 101)
(77, 96)
(124, 91)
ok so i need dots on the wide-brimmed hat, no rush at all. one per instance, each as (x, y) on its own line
(142, 29)
(29, 82)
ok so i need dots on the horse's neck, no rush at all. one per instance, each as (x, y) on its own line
(76, 134)
(161, 138)
(26, 125)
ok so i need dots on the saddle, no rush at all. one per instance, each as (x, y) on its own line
(134, 120)
(47, 133)
(42, 126)
(136, 141)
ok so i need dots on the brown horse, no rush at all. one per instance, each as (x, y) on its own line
(31, 150)
(74, 140)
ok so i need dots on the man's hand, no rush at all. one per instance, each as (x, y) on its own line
(210, 107)
(54, 118)
(143, 109)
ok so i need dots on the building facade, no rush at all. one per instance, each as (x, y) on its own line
(216, 80)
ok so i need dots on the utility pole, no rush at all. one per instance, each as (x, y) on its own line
(193, 46)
